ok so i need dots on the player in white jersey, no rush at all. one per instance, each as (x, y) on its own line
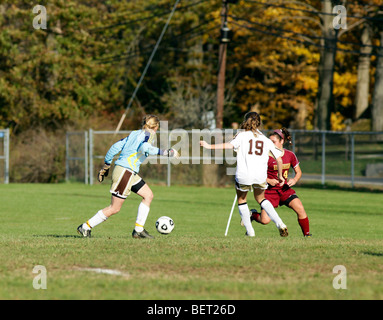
(253, 150)
(133, 150)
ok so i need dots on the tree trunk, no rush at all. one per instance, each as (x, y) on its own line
(377, 100)
(363, 84)
(325, 101)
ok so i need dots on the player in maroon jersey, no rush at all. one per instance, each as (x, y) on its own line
(283, 195)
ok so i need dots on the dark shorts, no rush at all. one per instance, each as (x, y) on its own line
(280, 197)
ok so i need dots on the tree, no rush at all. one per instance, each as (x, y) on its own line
(325, 100)
(49, 77)
(377, 99)
(364, 62)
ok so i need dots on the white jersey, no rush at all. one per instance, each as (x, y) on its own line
(252, 157)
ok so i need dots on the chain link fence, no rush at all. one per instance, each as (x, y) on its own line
(351, 158)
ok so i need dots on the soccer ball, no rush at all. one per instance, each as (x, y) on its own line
(164, 225)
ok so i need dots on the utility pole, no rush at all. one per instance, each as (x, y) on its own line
(224, 40)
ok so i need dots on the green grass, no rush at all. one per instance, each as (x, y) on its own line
(196, 261)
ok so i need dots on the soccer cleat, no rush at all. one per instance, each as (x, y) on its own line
(252, 211)
(141, 235)
(308, 235)
(83, 232)
(283, 232)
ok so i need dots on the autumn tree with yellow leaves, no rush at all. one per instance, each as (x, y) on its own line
(87, 63)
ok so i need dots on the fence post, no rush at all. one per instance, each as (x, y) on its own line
(86, 150)
(6, 153)
(169, 171)
(323, 156)
(67, 157)
(90, 156)
(352, 159)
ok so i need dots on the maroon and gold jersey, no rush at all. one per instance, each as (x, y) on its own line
(289, 160)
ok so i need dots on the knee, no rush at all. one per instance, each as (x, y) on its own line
(149, 197)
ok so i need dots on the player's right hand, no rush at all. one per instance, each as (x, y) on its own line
(272, 182)
(103, 172)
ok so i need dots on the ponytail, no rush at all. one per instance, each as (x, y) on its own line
(282, 134)
(251, 122)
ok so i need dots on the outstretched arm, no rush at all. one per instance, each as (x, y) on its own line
(226, 145)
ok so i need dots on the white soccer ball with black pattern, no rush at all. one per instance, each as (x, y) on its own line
(164, 225)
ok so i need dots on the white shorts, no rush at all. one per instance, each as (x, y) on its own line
(247, 188)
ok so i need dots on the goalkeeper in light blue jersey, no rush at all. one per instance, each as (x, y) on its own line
(134, 149)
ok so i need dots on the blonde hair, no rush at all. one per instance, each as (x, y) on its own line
(251, 122)
(150, 122)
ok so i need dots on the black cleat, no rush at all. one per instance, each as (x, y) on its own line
(141, 235)
(283, 232)
(85, 233)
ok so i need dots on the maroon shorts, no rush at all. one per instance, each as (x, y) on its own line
(280, 197)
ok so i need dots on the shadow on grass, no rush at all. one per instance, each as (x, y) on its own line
(376, 254)
(329, 186)
(57, 236)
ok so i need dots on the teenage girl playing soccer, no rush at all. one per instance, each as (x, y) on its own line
(253, 149)
(283, 195)
(134, 149)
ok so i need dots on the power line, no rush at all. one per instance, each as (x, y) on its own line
(302, 34)
(318, 13)
(147, 66)
(149, 49)
(277, 35)
(143, 50)
(153, 16)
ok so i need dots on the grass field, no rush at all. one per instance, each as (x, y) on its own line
(196, 261)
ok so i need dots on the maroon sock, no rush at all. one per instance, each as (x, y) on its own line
(305, 226)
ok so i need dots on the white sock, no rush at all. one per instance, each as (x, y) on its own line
(268, 207)
(245, 215)
(142, 214)
(95, 220)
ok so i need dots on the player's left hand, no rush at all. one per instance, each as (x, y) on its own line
(281, 181)
(204, 144)
(172, 153)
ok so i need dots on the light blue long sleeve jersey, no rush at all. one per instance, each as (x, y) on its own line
(134, 149)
